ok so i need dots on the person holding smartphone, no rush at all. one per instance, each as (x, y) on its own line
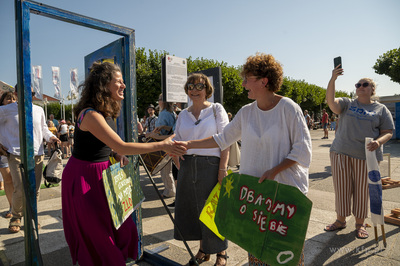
(359, 118)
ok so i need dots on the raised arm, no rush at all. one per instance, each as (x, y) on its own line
(330, 91)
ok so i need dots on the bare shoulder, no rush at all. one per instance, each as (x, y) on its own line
(91, 116)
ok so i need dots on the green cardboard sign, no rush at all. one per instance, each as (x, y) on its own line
(123, 191)
(269, 220)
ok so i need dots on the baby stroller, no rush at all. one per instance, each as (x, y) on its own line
(53, 171)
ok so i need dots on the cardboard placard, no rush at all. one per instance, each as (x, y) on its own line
(123, 191)
(269, 220)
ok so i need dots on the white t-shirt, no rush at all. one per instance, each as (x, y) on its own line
(9, 128)
(358, 121)
(188, 128)
(269, 137)
(63, 129)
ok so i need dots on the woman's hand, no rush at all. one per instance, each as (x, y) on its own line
(122, 159)
(173, 148)
(336, 72)
(54, 140)
(373, 145)
(270, 175)
(384, 136)
(333, 102)
(157, 130)
(221, 175)
(176, 161)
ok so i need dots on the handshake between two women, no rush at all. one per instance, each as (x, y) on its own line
(179, 148)
(174, 148)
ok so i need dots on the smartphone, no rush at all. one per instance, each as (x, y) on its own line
(337, 61)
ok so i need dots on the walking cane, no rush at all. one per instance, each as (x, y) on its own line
(375, 192)
(168, 211)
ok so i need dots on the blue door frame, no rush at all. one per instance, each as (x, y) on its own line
(113, 53)
(23, 9)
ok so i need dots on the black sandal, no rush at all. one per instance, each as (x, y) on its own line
(223, 256)
(205, 257)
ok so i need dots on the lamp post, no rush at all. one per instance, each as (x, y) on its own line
(71, 96)
(45, 103)
(62, 108)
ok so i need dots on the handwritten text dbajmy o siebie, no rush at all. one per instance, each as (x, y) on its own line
(260, 216)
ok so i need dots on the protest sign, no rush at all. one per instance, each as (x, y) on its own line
(269, 220)
(207, 215)
(123, 191)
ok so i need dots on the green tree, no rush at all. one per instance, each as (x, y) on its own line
(55, 109)
(148, 78)
(389, 64)
(233, 92)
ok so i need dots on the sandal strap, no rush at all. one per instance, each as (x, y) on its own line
(341, 223)
(225, 256)
(15, 222)
(361, 226)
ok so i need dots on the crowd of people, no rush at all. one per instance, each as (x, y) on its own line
(275, 145)
(64, 130)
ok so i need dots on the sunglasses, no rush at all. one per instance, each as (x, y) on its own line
(245, 79)
(198, 86)
(365, 84)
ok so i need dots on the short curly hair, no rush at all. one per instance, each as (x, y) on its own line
(264, 66)
(200, 77)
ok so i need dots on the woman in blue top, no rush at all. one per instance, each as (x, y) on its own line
(165, 126)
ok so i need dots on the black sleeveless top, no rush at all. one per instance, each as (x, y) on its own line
(86, 146)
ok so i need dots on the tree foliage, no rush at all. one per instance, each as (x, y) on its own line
(389, 64)
(148, 80)
(55, 109)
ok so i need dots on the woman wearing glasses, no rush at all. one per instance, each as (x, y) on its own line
(200, 169)
(276, 142)
(359, 118)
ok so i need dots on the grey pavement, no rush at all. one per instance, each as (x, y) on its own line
(321, 248)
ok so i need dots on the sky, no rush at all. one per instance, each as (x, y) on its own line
(304, 36)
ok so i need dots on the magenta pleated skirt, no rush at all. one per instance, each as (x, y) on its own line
(88, 227)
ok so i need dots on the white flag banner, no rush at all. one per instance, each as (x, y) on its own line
(73, 84)
(375, 185)
(56, 81)
(37, 81)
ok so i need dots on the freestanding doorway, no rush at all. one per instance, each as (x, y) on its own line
(24, 8)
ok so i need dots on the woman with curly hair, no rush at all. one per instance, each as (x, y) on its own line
(276, 142)
(88, 226)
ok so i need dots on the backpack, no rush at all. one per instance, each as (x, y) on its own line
(53, 171)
